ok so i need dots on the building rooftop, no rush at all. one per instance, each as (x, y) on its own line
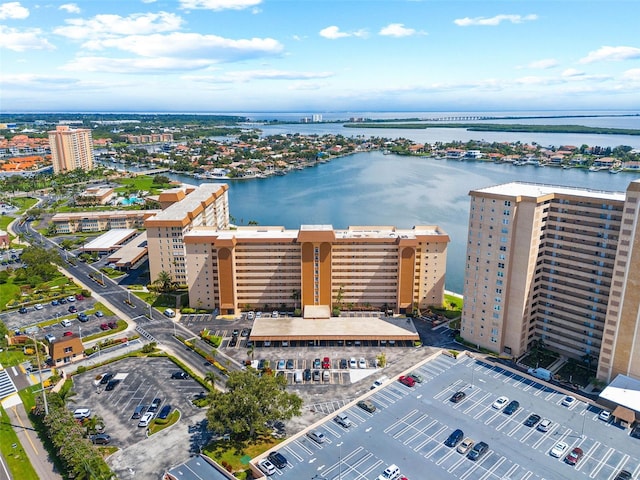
(193, 201)
(102, 214)
(623, 391)
(515, 189)
(109, 240)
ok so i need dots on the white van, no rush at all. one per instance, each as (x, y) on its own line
(169, 313)
(297, 376)
(145, 420)
(81, 413)
(390, 473)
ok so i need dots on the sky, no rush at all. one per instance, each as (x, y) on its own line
(319, 55)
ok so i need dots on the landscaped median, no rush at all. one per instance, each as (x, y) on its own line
(159, 424)
(12, 451)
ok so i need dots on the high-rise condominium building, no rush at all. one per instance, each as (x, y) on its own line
(555, 264)
(254, 267)
(183, 209)
(71, 149)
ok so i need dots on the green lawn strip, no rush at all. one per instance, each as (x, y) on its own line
(159, 424)
(232, 453)
(157, 300)
(102, 307)
(14, 355)
(23, 203)
(16, 458)
(122, 325)
(5, 220)
(8, 291)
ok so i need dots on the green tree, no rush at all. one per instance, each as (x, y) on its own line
(164, 282)
(249, 402)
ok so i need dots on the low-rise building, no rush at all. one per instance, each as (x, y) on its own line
(66, 350)
(73, 222)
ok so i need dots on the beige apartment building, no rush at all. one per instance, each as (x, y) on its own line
(184, 208)
(71, 149)
(258, 267)
(73, 222)
(553, 263)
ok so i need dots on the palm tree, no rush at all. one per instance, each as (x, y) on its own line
(164, 282)
(211, 376)
(295, 295)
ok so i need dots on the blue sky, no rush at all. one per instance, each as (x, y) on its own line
(319, 55)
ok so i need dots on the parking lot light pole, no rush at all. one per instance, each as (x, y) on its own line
(340, 461)
(44, 394)
(150, 317)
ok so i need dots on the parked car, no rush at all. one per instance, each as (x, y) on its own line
(417, 377)
(408, 381)
(465, 446)
(138, 412)
(545, 425)
(278, 459)
(317, 363)
(624, 475)
(635, 432)
(71, 299)
(155, 405)
(559, 449)
(105, 378)
(307, 374)
(316, 435)
(267, 467)
(342, 419)
(22, 310)
(233, 342)
(326, 363)
(65, 323)
(145, 420)
(367, 406)
(344, 364)
(112, 384)
(500, 402)
(316, 375)
(164, 412)
(55, 303)
(326, 376)
(83, 317)
(99, 314)
(79, 296)
(113, 325)
(568, 401)
(72, 309)
(290, 364)
(604, 415)
(574, 457)
(244, 332)
(38, 306)
(353, 363)
(455, 438)
(362, 363)
(281, 364)
(457, 397)
(104, 326)
(67, 334)
(532, 420)
(81, 413)
(181, 375)
(478, 450)
(50, 338)
(512, 407)
(101, 439)
(62, 301)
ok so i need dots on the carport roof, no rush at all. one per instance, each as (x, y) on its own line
(334, 328)
(623, 391)
(198, 468)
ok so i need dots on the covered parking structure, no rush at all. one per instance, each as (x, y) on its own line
(316, 326)
(622, 396)
(110, 241)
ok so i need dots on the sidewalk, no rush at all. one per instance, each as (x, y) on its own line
(29, 439)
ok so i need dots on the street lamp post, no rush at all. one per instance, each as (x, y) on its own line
(150, 317)
(44, 394)
(340, 461)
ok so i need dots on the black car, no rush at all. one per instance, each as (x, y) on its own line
(532, 421)
(344, 364)
(478, 450)
(261, 364)
(105, 378)
(235, 332)
(457, 397)
(245, 333)
(164, 413)
(155, 405)
(290, 364)
(635, 433)
(307, 374)
(101, 439)
(112, 384)
(233, 342)
(62, 301)
(22, 310)
(511, 407)
(623, 475)
(179, 375)
(455, 438)
(73, 309)
(277, 459)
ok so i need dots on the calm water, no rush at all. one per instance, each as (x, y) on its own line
(376, 189)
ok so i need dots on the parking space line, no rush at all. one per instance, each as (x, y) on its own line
(531, 431)
(447, 391)
(428, 439)
(370, 469)
(331, 430)
(402, 420)
(292, 452)
(489, 472)
(602, 462)
(476, 466)
(420, 431)
(509, 377)
(620, 464)
(511, 471)
(587, 455)
(456, 464)
(483, 411)
(388, 399)
(474, 402)
(492, 417)
(452, 451)
(544, 437)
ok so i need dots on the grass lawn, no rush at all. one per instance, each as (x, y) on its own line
(233, 452)
(10, 357)
(158, 300)
(5, 220)
(16, 458)
(23, 203)
(8, 292)
(158, 425)
(141, 183)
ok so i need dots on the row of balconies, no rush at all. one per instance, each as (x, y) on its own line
(570, 317)
(573, 296)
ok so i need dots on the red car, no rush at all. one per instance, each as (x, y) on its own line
(574, 457)
(326, 363)
(113, 325)
(67, 334)
(408, 381)
(79, 297)
(104, 326)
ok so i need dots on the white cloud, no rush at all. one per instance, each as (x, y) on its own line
(149, 1)
(572, 72)
(333, 33)
(493, 21)
(632, 74)
(543, 64)
(135, 65)
(398, 30)
(23, 40)
(190, 45)
(102, 26)
(249, 75)
(13, 10)
(70, 7)
(612, 54)
(218, 4)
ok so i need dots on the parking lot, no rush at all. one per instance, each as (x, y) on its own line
(410, 425)
(141, 381)
(31, 321)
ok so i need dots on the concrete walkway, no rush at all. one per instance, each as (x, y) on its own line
(32, 447)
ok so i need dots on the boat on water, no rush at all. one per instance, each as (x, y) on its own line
(615, 170)
(595, 168)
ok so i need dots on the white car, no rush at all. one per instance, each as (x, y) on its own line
(145, 420)
(362, 363)
(38, 306)
(568, 401)
(353, 363)
(65, 323)
(559, 449)
(71, 298)
(500, 402)
(605, 415)
(267, 467)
